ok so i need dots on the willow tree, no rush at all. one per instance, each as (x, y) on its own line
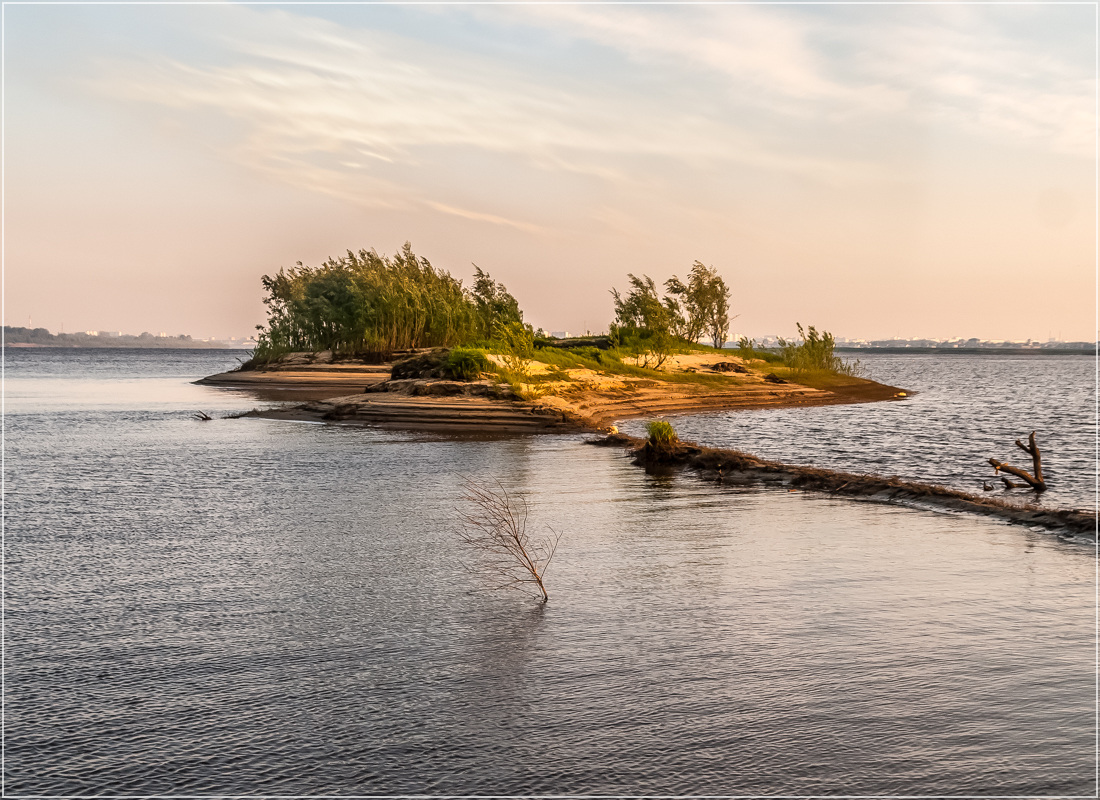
(365, 304)
(645, 323)
(704, 301)
(495, 307)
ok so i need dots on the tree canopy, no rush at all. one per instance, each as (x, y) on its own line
(495, 308)
(702, 304)
(372, 305)
(649, 324)
(644, 322)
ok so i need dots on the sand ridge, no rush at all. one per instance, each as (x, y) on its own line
(351, 391)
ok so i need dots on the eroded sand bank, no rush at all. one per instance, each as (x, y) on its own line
(585, 399)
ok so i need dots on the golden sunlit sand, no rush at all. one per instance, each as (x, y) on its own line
(587, 399)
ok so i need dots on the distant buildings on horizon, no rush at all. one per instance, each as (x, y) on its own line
(945, 344)
(228, 340)
(41, 337)
(17, 336)
(772, 341)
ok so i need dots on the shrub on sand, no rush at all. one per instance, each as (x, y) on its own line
(660, 444)
(466, 364)
(660, 435)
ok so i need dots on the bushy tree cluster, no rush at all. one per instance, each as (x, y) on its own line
(701, 306)
(371, 305)
(650, 324)
(495, 308)
(644, 323)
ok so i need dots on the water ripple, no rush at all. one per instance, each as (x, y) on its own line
(967, 410)
(252, 607)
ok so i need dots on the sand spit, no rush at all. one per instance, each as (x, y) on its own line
(732, 467)
(601, 407)
(439, 406)
(304, 371)
(584, 399)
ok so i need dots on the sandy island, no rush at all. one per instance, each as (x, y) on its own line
(353, 391)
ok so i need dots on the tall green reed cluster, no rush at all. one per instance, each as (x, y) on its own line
(815, 353)
(365, 304)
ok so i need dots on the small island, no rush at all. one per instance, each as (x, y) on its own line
(395, 342)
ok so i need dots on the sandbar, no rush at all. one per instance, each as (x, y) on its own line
(355, 392)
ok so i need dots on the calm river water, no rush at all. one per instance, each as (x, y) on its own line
(966, 410)
(259, 607)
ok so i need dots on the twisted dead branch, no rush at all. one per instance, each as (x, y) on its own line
(1035, 481)
(496, 527)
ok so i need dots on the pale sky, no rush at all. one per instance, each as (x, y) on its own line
(875, 170)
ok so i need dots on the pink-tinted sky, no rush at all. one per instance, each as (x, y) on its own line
(876, 170)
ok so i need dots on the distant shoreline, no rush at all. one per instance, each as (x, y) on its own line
(176, 345)
(946, 351)
(15, 336)
(969, 351)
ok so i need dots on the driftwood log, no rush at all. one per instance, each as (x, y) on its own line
(742, 469)
(1035, 481)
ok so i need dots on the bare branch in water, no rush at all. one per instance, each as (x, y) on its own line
(496, 527)
(1035, 481)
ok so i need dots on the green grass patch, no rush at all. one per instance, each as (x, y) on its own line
(466, 364)
(816, 378)
(552, 375)
(660, 434)
(576, 358)
(610, 363)
(613, 365)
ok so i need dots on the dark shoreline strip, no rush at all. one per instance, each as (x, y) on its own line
(742, 468)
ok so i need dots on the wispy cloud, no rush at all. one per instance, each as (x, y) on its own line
(492, 219)
(382, 120)
(766, 54)
(350, 112)
(922, 62)
(990, 85)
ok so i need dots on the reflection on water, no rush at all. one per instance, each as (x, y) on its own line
(258, 607)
